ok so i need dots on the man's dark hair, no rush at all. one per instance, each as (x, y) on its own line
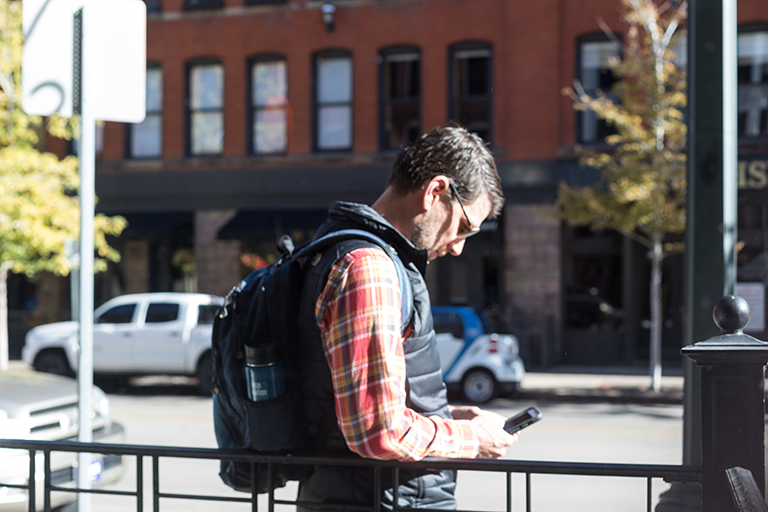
(454, 152)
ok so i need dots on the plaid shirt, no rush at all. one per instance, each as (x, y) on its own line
(358, 313)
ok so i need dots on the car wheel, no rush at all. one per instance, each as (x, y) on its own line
(53, 361)
(205, 375)
(478, 386)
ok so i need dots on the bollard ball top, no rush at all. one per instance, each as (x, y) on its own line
(731, 314)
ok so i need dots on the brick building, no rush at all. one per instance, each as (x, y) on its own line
(260, 113)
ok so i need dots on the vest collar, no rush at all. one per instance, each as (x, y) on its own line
(371, 220)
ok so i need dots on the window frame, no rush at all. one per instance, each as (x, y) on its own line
(453, 98)
(384, 102)
(316, 104)
(749, 28)
(190, 65)
(129, 126)
(579, 115)
(257, 59)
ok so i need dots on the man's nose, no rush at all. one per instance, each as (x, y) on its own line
(456, 247)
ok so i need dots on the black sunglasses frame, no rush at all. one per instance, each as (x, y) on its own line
(473, 230)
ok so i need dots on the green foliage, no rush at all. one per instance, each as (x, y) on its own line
(641, 190)
(39, 208)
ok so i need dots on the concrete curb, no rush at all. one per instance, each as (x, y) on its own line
(624, 396)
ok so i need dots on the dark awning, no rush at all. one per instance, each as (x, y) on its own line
(253, 223)
(155, 223)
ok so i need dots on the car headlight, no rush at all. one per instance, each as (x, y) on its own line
(11, 428)
(100, 403)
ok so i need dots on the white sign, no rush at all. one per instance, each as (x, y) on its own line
(754, 294)
(114, 50)
(46, 80)
(115, 55)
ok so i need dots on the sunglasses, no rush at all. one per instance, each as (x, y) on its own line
(469, 230)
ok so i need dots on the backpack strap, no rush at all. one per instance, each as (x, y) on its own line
(336, 237)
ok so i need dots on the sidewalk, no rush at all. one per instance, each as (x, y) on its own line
(603, 384)
(621, 384)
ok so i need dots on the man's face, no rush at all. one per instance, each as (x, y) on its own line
(439, 231)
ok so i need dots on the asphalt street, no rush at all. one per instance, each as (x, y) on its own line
(581, 432)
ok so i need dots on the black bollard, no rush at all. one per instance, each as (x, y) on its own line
(732, 403)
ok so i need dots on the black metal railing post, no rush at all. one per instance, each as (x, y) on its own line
(732, 403)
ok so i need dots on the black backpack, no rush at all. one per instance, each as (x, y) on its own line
(263, 310)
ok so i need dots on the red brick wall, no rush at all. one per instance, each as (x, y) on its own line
(534, 46)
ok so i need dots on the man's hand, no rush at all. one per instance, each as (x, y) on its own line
(494, 441)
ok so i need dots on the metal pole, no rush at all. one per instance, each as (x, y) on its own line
(86, 156)
(710, 259)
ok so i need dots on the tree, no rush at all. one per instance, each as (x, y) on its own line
(641, 190)
(39, 207)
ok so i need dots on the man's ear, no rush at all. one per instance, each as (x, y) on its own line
(434, 190)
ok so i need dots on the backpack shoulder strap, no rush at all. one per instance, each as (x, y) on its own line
(337, 237)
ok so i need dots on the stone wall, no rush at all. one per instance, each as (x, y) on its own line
(136, 266)
(533, 279)
(218, 267)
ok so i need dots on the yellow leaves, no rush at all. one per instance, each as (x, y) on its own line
(39, 212)
(641, 192)
(39, 209)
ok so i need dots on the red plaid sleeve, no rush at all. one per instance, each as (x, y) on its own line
(359, 317)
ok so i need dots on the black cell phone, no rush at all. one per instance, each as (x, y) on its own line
(520, 421)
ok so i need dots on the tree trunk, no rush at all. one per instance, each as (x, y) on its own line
(655, 356)
(4, 269)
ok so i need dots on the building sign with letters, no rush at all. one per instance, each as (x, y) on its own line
(753, 175)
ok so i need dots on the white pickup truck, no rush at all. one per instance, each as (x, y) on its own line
(139, 334)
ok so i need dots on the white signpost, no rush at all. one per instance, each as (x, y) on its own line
(85, 57)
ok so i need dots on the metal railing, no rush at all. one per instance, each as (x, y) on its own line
(669, 473)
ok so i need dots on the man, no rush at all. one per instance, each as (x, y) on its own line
(383, 391)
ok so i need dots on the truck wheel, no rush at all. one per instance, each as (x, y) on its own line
(478, 386)
(205, 374)
(53, 361)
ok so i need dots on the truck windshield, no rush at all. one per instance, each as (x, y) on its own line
(493, 321)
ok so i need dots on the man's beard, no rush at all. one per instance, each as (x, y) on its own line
(421, 235)
(424, 232)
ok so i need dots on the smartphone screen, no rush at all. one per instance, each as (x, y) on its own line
(522, 420)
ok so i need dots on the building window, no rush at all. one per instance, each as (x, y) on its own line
(154, 6)
(193, 5)
(333, 102)
(400, 116)
(269, 106)
(206, 109)
(594, 76)
(146, 137)
(753, 84)
(470, 88)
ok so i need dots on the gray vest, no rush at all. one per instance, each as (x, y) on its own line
(424, 386)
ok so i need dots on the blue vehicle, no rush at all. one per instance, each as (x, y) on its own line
(479, 355)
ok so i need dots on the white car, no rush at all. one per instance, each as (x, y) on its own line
(479, 355)
(137, 334)
(43, 407)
